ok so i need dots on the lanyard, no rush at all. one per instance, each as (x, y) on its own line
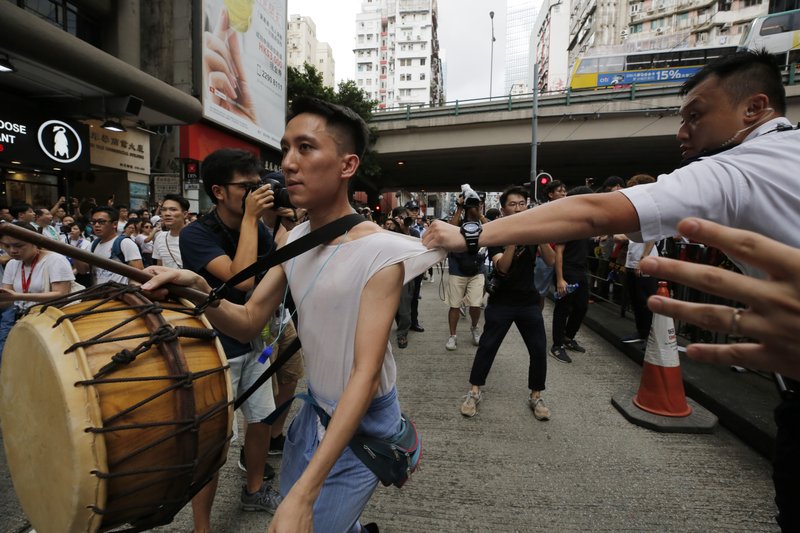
(26, 283)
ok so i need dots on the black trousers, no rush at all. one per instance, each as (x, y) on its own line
(786, 463)
(415, 300)
(569, 312)
(640, 288)
(498, 320)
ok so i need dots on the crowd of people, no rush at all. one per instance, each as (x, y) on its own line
(733, 135)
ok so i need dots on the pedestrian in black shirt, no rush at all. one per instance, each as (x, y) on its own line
(513, 299)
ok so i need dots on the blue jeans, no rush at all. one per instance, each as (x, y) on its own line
(7, 320)
(498, 320)
(350, 484)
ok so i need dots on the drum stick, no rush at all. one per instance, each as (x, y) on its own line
(116, 267)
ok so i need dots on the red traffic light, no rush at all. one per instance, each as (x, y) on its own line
(544, 180)
(377, 207)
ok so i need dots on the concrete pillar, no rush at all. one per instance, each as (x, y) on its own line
(128, 32)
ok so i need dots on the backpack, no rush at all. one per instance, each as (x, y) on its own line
(116, 248)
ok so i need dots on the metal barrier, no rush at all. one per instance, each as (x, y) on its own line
(614, 292)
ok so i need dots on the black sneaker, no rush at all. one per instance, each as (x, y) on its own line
(269, 472)
(560, 354)
(573, 345)
(276, 445)
(630, 339)
(265, 499)
(417, 327)
(372, 527)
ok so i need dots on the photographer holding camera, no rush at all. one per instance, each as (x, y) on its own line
(466, 279)
(217, 246)
(513, 299)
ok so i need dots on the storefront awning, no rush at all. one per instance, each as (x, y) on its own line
(56, 66)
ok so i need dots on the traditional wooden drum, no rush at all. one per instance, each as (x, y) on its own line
(115, 410)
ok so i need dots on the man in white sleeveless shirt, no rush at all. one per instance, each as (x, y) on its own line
(346, 293)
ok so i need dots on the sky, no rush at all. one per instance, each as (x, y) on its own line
(465, 41)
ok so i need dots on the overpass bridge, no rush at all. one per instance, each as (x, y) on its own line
(487, 142)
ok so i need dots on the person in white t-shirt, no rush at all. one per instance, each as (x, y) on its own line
(31, 276)
(174, 212)
(105, 228)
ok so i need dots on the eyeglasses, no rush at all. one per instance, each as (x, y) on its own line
(244, 185)
(99, 221)
(516, 204)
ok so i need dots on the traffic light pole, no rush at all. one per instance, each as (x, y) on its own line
(534, 121)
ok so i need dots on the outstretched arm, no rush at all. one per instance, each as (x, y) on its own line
(379, 300)
(566, 220)
(773, 313)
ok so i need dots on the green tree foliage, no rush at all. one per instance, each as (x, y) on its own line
(308, 82)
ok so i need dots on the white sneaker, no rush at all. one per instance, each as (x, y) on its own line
(451, 343)
(476, 336)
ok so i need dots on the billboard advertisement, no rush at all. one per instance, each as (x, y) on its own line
(244, 66)
(663, 75)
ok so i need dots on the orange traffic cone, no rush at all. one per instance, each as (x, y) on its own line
(661, 388)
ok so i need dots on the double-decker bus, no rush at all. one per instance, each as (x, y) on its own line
(779, 34)
(640, 68)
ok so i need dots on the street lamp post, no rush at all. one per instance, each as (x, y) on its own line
(534, 112)
(491, 57)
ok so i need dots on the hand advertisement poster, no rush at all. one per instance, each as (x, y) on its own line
(244, 67)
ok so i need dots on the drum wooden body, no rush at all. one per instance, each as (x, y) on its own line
(91, 449)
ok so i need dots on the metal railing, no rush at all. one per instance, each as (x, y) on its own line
(566, 97)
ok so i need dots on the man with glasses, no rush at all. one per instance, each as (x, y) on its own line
(513, 299)
(217, 246)
(109, 245)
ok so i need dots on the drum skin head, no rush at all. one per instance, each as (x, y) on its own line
(43, 416)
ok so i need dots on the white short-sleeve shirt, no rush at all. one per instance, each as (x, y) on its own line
(166, 249)
(56, 265)
(129, 251)
(753, 186)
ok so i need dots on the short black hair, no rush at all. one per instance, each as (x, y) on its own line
(110, 211)
(611, 182)
(514, 189)
(17, 209)
(399, 211)
(184, 203)
(743, 74)
(552, 186)
(342, 118)
(492, 213)
(581, 189)
(220, 166)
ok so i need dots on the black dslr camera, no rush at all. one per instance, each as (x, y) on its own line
(276, 180)
(471, 198)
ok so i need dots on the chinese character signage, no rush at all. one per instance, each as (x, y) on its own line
(244, 66)
(124, 150)
(43, 141)
(663, 75)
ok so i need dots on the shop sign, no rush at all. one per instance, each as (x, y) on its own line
(43, 141)
(164, 184)
(124, 150)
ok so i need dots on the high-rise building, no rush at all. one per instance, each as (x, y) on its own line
(552, 40)
(520, 16)
(397, 52)
(303, 47)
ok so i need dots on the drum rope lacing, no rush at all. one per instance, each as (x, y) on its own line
(162, 334)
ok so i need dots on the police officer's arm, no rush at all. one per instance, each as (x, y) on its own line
(223, 267)
(568, 219)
